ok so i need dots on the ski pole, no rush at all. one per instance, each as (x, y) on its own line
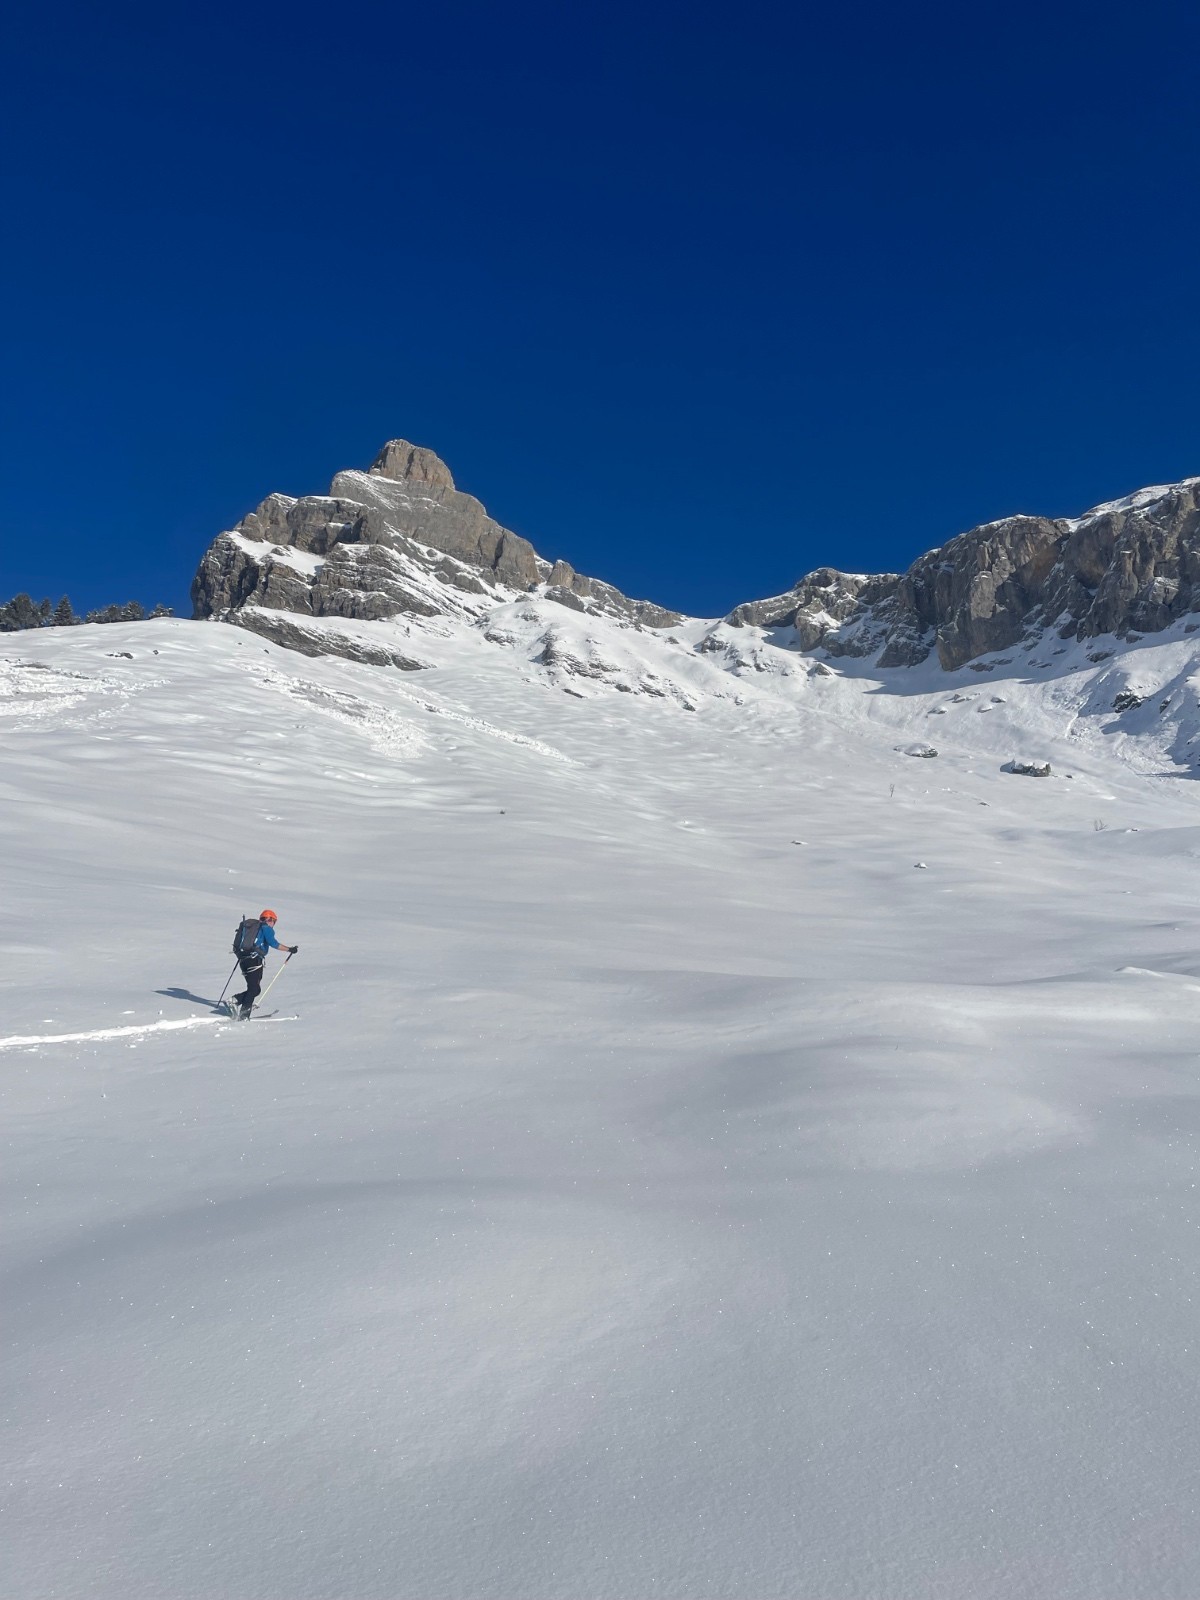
(228, 981)
(273, 981)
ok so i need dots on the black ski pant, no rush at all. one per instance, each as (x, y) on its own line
(252, 971)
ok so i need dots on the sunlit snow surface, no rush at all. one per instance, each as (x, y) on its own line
(667, 1189)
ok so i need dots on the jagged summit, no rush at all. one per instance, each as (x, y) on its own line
(397, 540)
(411, 463)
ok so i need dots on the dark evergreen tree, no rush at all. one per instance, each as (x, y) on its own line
(20, 612)
(23, 612)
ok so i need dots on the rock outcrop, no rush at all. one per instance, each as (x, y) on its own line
(826, 608)
(397, 540)
(310, 640)
(1132, 566)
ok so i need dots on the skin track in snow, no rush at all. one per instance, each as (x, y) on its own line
(137, 1031)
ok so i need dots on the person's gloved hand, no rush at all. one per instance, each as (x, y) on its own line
(294, 948)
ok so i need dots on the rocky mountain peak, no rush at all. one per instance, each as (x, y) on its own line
(411, 463)
(396, 541)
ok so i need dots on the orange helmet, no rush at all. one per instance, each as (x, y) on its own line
(268, 916)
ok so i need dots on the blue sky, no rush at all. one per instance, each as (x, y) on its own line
(696, 297)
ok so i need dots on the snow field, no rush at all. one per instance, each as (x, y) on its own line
(646, 1203)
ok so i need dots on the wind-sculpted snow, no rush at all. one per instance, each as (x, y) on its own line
(666, 1189)
(387, 732)
(33, 691)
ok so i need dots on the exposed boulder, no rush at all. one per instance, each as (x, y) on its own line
(1027, 769)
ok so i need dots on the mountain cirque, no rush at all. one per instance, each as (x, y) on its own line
(401, 540)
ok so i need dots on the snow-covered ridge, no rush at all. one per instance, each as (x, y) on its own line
(400, 541)
(1138, 501)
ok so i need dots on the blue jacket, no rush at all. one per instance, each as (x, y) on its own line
(266, 938)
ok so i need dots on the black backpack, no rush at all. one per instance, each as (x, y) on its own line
(246, 935)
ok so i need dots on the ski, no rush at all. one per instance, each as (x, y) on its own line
(256, 1016)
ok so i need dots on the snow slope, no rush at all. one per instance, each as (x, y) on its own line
(719, 1154)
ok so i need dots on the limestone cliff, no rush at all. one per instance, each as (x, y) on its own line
(1131, 566)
